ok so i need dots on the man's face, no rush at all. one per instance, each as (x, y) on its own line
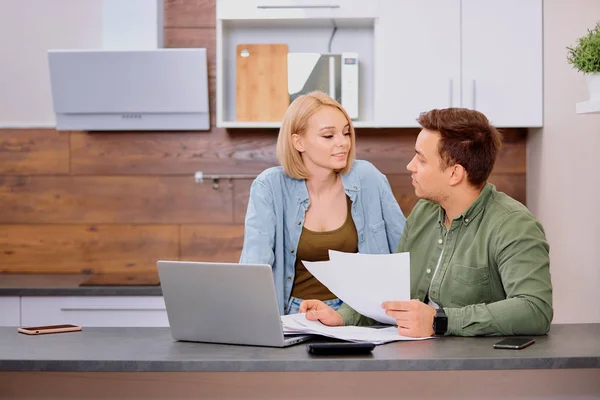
(429, 180)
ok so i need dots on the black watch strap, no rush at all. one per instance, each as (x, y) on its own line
(440, 322)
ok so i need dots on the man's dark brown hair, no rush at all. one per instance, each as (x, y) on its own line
(467, 138)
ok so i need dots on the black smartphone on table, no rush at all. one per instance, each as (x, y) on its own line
(514, 343)
(339, 348)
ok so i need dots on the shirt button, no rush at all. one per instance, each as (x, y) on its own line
(428, 271)
(467, 220)
(289, 278)
(292, 251)
(299, 222)
(440, 241)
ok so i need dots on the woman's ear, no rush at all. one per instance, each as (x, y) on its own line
(297, 142)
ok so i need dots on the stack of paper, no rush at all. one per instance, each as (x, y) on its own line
(364, 281)
(298, 324)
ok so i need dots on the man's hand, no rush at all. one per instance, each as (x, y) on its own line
(414, 318)
(316, 310)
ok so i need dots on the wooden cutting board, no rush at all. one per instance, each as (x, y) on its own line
(261, 82)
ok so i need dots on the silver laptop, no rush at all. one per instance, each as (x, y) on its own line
(223, 303)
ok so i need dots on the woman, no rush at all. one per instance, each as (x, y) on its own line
(318, 199)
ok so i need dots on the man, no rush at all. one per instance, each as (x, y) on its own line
(479, 259)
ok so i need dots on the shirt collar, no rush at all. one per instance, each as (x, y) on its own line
(351, 183)
(474, 209)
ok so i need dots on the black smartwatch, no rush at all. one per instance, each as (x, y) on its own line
(440, 322)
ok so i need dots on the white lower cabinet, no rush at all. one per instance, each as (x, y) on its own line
(10, 311)
(125, 311)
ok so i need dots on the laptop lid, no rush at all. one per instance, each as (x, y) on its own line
(222, 303)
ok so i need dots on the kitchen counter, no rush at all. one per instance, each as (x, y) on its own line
(153, 349)
(134, 363)
(65, 285)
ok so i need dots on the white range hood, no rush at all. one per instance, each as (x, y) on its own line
(131, 82)
(162, 89)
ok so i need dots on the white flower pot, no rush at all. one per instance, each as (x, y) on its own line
(593, 81)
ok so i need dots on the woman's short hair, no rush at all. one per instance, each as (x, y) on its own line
(295, 121)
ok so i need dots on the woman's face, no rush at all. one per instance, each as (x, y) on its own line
(326, 143)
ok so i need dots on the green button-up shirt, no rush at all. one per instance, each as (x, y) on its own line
(494, 272)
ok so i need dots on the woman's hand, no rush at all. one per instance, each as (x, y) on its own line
(316, 310)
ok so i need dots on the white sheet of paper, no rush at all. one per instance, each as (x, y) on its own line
(298, 324)
(364, 281)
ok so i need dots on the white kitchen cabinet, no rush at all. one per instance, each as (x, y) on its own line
(502, 60)
(417, 59)
(10, 311)
(414, 55)
(304, 32)
(479, 54)
(94, 310)
(295, 9)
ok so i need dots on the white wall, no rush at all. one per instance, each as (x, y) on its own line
(563, 171)
(28, 28)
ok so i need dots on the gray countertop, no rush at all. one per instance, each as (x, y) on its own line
(65, 285)
(153, 349)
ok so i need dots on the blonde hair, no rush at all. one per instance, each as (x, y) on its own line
(295, 121)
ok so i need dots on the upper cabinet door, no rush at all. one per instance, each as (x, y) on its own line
(502, 60)
(417, 59)
(295, 9)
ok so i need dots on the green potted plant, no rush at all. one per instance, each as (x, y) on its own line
(585, 57)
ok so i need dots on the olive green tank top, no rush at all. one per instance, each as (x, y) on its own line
(315, 246)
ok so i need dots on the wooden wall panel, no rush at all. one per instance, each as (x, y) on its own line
(86, 248)
(190, 13)
(513, 185)
(34, 151)
(251, 151)
(112, 199)
(218, 243)
(172, 153)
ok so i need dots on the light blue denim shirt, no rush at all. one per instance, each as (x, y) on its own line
(275, 217)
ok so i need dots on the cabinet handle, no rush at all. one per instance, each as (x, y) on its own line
(306, 6)
(474, 95)
(451, 92)
(112, 308)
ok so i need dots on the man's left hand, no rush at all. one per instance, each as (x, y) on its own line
(414, 318)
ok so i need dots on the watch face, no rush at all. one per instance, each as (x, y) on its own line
(441, 325)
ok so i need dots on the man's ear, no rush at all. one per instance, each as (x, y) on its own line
(297, 142)
(457, 174)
